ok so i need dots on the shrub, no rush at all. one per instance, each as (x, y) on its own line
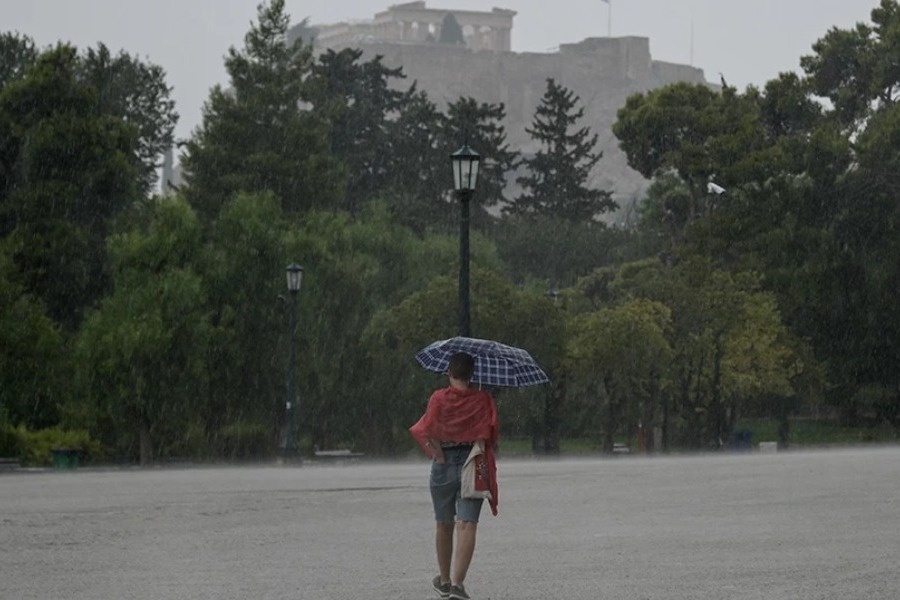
(10, 445)
(242, 441)
(36, 447)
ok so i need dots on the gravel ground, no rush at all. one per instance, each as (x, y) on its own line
(793, 525)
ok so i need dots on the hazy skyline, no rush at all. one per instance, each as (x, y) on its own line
(748, 42)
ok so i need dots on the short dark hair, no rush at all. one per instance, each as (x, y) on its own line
(462, 366)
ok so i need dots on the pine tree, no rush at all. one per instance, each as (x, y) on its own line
(255, 137)
(451, 32)
(556, 183)
(359, 102)
(423, 142)
(480, 126)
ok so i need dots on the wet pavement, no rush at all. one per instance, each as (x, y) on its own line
(794, 525)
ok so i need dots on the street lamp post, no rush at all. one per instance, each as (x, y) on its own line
(294, 277)
(465, 163)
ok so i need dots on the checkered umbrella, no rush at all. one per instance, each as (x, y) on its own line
(495, 363)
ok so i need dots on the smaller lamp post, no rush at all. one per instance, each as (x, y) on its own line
(465, 163)
(294, 277)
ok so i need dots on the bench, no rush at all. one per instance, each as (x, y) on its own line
(621, 449)
(9, 464)
(336, 454)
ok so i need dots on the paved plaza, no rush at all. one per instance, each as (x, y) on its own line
(793, 525)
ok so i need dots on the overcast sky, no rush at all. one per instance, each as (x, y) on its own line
(748, 41)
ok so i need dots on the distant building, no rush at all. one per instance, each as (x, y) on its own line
(602, 71)
(414, 23)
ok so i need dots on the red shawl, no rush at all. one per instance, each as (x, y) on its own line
(460, 415)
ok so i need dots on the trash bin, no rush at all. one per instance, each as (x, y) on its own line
(65, 459)
(742, 440)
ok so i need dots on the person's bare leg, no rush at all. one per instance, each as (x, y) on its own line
(443, 542)
(465, 548)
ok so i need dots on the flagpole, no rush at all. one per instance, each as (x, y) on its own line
(692, 40)
(609, 18)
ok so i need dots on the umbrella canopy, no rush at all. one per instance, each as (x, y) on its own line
(495, 363)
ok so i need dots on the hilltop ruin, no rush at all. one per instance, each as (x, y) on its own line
(602, 71)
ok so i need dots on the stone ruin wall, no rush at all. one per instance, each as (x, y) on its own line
(602, 72)
(413, 22)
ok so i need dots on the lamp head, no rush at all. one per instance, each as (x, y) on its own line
(465, 163)
(294, 277)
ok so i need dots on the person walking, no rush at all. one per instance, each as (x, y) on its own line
(456, 418)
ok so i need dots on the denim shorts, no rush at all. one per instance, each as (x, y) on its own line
(445, 488)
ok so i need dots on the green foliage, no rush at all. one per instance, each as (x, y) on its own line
(54, 113)
(17, 53)
(553, 249)
(623, 353)
(856, 69)
(728, 348)
(420, 176)
(820, 432)
(243, 272)
(480, 125)
(358, 101)
(69, 172)
(135, 92)
(786, 108)
(698, 134)
(498, 311)
(667, 129)
(451, 32)
(152, 328)
(10, 443)
(355, 268)
(140, 353)
(246, 441)
(254, 137)
(421, 186)
(32, 366)
(36, 446)
(556, 184)
(126, 88)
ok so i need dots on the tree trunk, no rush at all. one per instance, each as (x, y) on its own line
(611, 421)
(146, 443)
(552, 402)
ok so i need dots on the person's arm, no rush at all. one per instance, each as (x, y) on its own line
(437, 453)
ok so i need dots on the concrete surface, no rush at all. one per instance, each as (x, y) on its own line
(758, 526)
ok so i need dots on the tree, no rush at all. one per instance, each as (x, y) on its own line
(729, 345)
(624, 352)
(135, 92)
(857, 69)
(501, 311)
(358, 102)
(419, 179)
(17, 53)
(553, 250)
(556, 183)
(243, 272)
(480, 125)
(141, 372)
(68, 172)
(699, 134)
(254, 137)
(126, 88)
(423, 140)
(451, 32)
(33, 366)
(786, 108)
(355, 268)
